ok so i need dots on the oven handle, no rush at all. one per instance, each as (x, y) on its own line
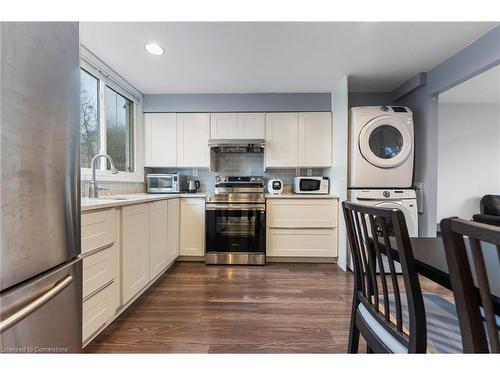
(235, 207)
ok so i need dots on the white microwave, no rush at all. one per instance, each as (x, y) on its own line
(311, 185)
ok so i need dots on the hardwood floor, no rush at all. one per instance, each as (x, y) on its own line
(278, 308)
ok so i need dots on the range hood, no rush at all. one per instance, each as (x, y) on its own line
(236, 146)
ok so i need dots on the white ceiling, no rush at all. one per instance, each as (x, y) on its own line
(217, 57)
(483, 88)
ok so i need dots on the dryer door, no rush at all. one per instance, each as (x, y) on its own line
(410, 220)
(385, 142)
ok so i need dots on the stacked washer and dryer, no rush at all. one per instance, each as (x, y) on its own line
(381, 148)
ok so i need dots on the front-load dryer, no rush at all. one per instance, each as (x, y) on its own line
(381, 147)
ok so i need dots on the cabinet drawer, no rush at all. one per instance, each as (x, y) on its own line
(98, 269)
(97, 310)
(302, 242)
(98, 229)
(301, 213)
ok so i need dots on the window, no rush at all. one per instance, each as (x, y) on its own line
(106, 124)
(89, 118)
(119, 133)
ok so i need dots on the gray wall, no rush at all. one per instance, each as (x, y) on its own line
(474, 59)
(469, 157)
(258, 102)
(357, 99)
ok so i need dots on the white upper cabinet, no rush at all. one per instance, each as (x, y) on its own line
(160, 139)
(193, 131)
(315, 139)
(223, 125)
(251, 125)
(281, 140)
(237, 125)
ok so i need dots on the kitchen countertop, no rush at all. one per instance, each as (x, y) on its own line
(89, 204)
(301, 196)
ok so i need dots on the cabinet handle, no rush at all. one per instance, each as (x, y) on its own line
(88, 253)
(98, 289)
(36, 304)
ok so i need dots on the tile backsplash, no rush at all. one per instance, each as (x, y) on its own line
(114, 188)
(240, 165)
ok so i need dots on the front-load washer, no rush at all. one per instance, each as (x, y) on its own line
(404, 199)
(381, 147)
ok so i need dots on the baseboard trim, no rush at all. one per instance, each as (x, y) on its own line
(189, 258)
(271, 259)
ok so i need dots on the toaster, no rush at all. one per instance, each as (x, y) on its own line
(275, 186)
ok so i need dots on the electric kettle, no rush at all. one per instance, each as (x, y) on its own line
(193, 186)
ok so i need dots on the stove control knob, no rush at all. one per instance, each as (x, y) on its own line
(252, 179)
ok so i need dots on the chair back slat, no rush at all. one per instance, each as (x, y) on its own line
(380, 262)
(485, 293)
(372, 266)
(394, 279)
(475, 308)
(374, 233)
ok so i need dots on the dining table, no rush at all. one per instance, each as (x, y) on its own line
(430, 260)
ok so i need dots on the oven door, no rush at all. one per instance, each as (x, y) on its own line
(235, 228)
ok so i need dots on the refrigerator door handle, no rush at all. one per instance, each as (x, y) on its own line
(36, 304)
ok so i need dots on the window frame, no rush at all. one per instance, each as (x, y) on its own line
(103, 173)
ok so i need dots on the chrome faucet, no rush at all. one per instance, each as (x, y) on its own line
(93, 187)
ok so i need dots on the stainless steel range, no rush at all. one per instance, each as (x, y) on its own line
(236, 221)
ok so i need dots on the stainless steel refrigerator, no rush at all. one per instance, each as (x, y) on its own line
(40, 268)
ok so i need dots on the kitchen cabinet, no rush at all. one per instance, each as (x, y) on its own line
(315, 139)
(173, 230)
(301, 242)
(281, 140)
(192, 226)
(237, 125)
(302, 213)
(160, 133)
(158, 237)
(301, 227)
(100, 286)
(252, 125)
(298, 140)
(135, 249)
(193, 132)
(223, 125)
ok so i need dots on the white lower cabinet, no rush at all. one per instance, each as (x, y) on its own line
(97, 309)
(173, 230)
(301, 242)
(135, 249)
(158, 237)
(100, 289)
(192, 227)
(301, 227)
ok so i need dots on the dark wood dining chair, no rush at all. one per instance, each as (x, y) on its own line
(389, 309)
(479, 322)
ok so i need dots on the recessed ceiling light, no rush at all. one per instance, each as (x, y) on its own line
(154, 49)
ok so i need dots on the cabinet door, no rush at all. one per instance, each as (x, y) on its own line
(192, 241)
(160, 139)
(315, 139)
(193, 130)
(301, 213)
(135, 249)
(223, 125)
(302, 242)
(281, 140)
(173, 230)
(158, 237)
(251, 125)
